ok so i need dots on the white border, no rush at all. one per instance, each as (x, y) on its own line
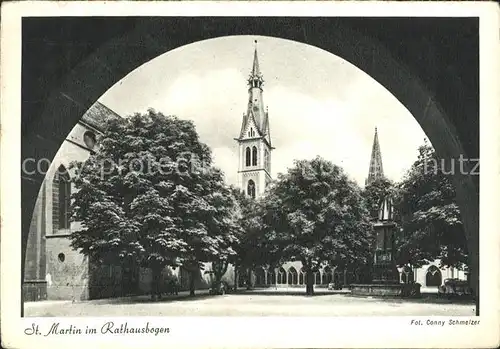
(254, 331)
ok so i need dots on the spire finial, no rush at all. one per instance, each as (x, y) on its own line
(255, 67)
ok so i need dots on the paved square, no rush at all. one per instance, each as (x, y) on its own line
(248, 304)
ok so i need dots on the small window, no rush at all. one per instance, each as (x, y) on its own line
(61, 257)
(62, 191)
(89, 139)
(247, 156)
(254, 156)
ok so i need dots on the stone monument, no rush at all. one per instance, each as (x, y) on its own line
(385, 274)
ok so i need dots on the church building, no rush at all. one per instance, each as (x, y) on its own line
(53, 270)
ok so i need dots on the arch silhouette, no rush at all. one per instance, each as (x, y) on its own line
(281, 276)
(317, 278)
(271, 277)
(292, 276)
(407, 275)
(433, 276)
(433, 92)
(302, 277)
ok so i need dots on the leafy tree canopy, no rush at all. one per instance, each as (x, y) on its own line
(430, 217)
(150, 194)
(315, 214)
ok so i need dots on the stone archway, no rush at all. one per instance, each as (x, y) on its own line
(441, 97)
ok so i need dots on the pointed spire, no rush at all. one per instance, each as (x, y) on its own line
(376, 170)
(255, 67)
(255, 79)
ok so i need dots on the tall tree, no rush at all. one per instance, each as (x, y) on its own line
(150, 195)
(255, 249)
(316, 215)
(432, 227)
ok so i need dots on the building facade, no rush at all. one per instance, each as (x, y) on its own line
(53, 270)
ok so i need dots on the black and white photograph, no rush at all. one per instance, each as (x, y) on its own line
(250, 168)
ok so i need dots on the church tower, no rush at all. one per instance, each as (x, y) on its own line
(376, 170)
(254, 141)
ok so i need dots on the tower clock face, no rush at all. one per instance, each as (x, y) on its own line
(255, 107)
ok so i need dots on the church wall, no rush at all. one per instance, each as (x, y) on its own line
(67, 271)
(446, 273)
(46, 276)
(34, 284)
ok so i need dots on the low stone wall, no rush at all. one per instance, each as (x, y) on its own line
(34, 290)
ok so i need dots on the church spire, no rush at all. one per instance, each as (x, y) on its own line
(254, 141)
(256, 120)
(255, 67)
(376, 170)
(255, 79)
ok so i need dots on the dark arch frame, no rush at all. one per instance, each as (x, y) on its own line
(441, 92)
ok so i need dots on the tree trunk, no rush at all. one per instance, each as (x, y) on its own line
(235, 276)
(155, 281)
(191, 283)
(309, 282)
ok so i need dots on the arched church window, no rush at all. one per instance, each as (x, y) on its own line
(317, 278)
(251, 189)
(266, 159)
(433, 276)
(407, 275)
(281, 276)
(302, 277)
(89, 139)
(62, 199)
(254, 156)
(271, 277)
(247, 156)
(292, 276)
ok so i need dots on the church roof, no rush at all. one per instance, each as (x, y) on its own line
(376, 170)
(255, 66)
(97, 115)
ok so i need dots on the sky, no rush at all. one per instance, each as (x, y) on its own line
(319, 104)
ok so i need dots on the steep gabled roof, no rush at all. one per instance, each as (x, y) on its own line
(97, 114)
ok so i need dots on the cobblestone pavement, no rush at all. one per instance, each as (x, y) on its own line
(252, 304)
